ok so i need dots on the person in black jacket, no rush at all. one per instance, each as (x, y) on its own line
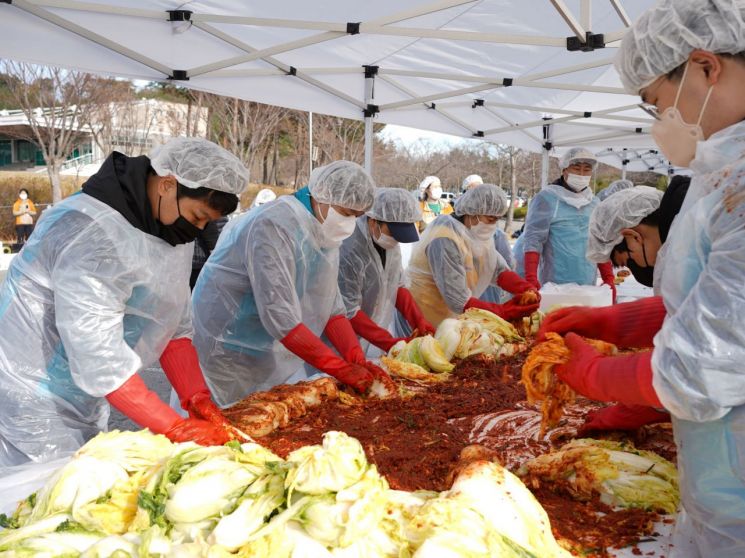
(204, 243)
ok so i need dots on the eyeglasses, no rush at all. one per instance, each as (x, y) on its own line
(650, 110)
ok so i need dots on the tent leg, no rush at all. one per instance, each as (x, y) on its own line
(368, 143)
(623, 171)
(547, 146)
(370, 110)
(310, 144)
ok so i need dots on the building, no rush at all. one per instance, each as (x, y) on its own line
(133, 128)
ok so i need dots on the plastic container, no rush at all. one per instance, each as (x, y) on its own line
(558, 296)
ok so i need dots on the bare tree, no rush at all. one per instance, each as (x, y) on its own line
(54, 102)
(243, 127)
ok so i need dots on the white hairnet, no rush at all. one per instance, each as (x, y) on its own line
(485, 199)
(613, 187)
(664, 36)
(427, 182)
(265, 196)
(471, 180)
(578, 155)
(343, 183)
(622, 210)
(395, 205)
(198, 163)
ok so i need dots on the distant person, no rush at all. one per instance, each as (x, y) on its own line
(264, 196)
(432, 204)
(24, 211)
(204, 243)
(555, 236)
(493, 293)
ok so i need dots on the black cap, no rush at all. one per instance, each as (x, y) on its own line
(403, 232)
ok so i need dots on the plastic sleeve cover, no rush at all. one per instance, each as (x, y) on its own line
(538, 223)
(502, 244)
(351, 277)
(91, 288)
(448, 272)
(272, 276)
(701, 347)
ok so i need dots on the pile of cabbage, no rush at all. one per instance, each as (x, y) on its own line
(137, 495)
(474, 332)
(617, 472)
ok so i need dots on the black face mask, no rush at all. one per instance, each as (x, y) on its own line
(645, 275)
(180, 231)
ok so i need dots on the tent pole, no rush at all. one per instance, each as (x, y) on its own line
(370, 110)
(547, 145)
(544, 167)
(310, 144)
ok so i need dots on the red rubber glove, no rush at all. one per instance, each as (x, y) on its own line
(512, 283)
(622, 417)
(410, 310)
(626, 379)
(368, 329)
(304, 343)
(143, 406)
(531, 261)
(200, 431)
(510, 310)
(181, 366)
(608, 277)
(629, 324)
(342, 336)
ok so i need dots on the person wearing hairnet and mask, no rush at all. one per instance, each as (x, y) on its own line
(101, 292)
(270, 290)
(455, 261)
(493, 293)
(431, 202)
(643, 224)
(470, 181)
(370, 270)
(556, 227)
(613, 187)
(263, 196)
(694, 80)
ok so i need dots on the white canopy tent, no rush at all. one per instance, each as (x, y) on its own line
(536, 74)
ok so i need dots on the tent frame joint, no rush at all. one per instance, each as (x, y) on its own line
(353, 27)
(179, 15)
(179, 75)
(477, 103)
(370, 71)
(291, 71)
(478, 134)
(592, 41)
(371, 110)
(506, 82)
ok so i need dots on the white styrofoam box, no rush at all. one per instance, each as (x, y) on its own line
(571, 294)
(631, 289)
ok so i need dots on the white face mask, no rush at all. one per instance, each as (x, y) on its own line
(336, 227)
(676, 139)
(483, 232)
(385, 241)
(23, 195)
(577, 182)
(435, 193)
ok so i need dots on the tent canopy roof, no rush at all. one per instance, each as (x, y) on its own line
(492, 69)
